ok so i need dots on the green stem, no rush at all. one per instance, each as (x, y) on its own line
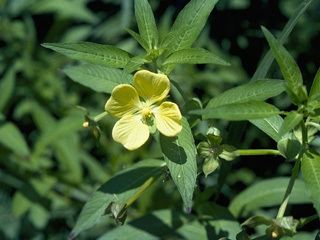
(257, 152)
(295, 172)
(100, 116)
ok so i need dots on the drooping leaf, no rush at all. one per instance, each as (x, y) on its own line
(289, 69)
(191, 19)
(12, 138)
(106, 55)
(146, 23)
(239, 111)
(290, 122)
(315, 88)
(96, 77)
(310, 168)
(253, 91)
(267, 193)
(194, 56)
(119, 189)
(180, 155)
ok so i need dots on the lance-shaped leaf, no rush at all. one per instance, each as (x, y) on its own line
(315, 89)
(119, 189)
(106, 55)
(289, 69)
(269, 126)
(239, 111)
(290, 122)
(180, 155)
(138, 38)
(97, 77)
(267, 193)
(191, 19)
(253, 91)
(194, 56)
(12, 138)
(146, 23)
(310, 168)
(6, 87)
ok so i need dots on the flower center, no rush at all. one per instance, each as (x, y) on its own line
(147, 115)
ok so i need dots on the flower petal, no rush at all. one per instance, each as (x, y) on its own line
(124, 100)
(130, 132)
(151, 86)
(168, 119)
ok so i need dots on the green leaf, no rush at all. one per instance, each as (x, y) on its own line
(96, 77)
(180, 155)
(106, 55)
(12, 138)
(239, 111)
(310, 168)
(253, 91)
(315, 88)
(267, 193)
(138, 38)
(146, 23)
(289, 69)
(6, 87)
(267, 60)
(157, 225)
(194, 56)
(56, 132)
(119, 189)
(270, 126)
(290, 122)
(134, 63)
(189, 24)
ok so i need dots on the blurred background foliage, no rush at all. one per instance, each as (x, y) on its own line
(49, 164)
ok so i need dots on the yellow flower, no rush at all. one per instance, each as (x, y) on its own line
(140, 106)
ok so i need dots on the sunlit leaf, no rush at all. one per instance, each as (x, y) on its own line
(106, 55)
(96, 77)
(180, 155)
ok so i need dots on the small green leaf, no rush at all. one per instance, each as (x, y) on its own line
(96, 77)
(315, 88)
(259, 90)
(290, 122)
(239, 111)
(12, 138)
(119, 189)
(134, 63)
(310, 168)
(146, 23)
(106, 55)
(289, 69)
(194, 56)
(138, 38)
(189, 24)
(267, 193)
(180, 155)
(6, 87)
(270, 126)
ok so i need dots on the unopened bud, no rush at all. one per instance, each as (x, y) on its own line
(274, 234)
(85, 124)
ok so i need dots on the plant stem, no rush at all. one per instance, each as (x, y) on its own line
(100, 116)
(256, 152)
(295, 172)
